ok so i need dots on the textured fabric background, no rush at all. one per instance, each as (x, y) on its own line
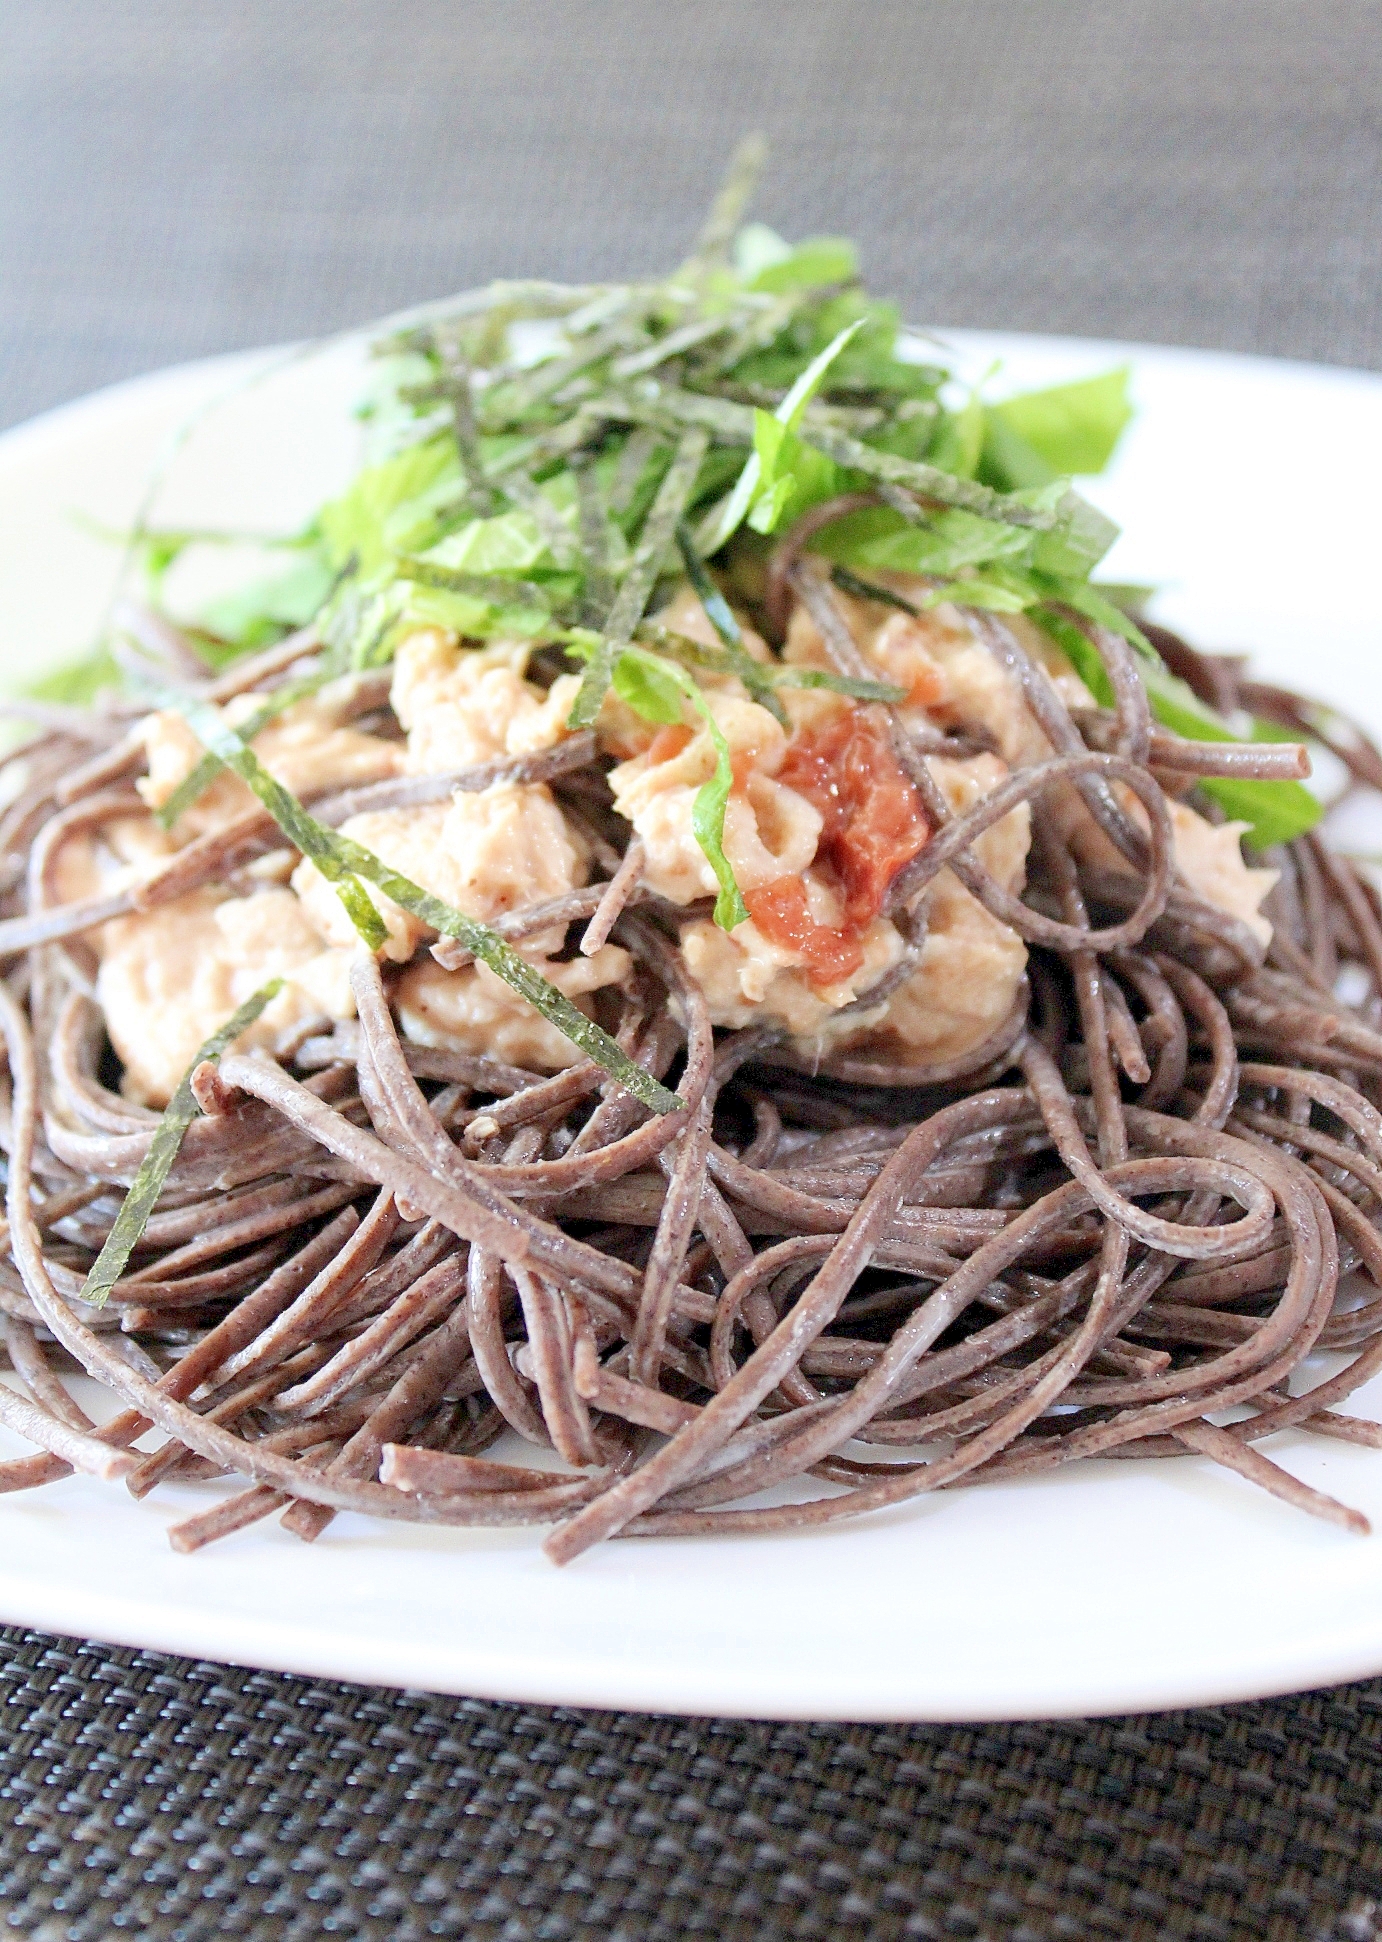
(177, 179)
(179, 1801)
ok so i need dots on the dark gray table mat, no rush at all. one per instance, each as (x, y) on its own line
(182, 179)
(178, 177)
(183, 1801)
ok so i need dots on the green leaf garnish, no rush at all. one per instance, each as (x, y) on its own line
(157, 1164)
(263, 611)
(731, 515)
(655, 688)
(820, 260)
(507, 544)
(1043, 435)
(958, 444)
(792, 475)
(77, 684)
(500, 453)
(538, 450)
(1275, 812)
(354, 526)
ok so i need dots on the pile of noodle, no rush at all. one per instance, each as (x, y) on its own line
(1118, 1228)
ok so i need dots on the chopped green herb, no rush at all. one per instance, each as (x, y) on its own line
(543, 436)
(792, 476)
(262, 612)
(539, 453)
(1275, 812)
(354, 525)
(822, 260)
(1044, 435)
(507, 544)
(958, 443)
(726, 521)
(77, 684)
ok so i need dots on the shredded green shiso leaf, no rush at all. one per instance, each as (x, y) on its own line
(148, 1182)
(545, 462)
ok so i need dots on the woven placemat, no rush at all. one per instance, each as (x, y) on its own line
(176, 1800)
(177, 180)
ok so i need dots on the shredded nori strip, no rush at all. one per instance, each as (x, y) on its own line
(133, 1217)
(648, 561)
(766, 676)
(205, 771)
(727, 210)
(490, 949)
(302, 830)
(495, 588)
(869, 590)
(926, 481)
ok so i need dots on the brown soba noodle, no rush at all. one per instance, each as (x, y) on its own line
(1115, 1227)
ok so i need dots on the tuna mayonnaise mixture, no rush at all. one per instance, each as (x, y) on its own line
(820, 820)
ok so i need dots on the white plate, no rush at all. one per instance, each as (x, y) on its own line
(1109, 1587)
